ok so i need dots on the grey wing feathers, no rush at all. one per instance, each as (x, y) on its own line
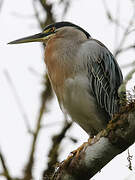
(104, 75)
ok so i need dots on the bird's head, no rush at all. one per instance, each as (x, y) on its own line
(48, 32)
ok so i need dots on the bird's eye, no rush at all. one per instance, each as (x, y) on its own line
(52, 29)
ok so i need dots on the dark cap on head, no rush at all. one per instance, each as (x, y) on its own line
(58, 25)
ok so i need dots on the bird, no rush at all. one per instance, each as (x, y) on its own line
(83, 73)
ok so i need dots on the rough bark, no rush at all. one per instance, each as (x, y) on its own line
(97, 152)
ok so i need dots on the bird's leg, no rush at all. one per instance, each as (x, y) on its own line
(90, 139)
(76, 153)
(79, 149)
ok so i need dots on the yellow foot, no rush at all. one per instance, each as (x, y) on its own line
(74, 153)
(77, 151)
(90, 140)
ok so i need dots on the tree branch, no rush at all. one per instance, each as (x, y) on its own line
(100, 150)
(127, 29)
(110, 17)
(129, 158)
(125, 35)
(50, 18)
(122, 88)
(54, 151)
(47, 10)
(46, 95)
(5, 173)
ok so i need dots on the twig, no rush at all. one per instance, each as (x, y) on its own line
(93, 155)
(50, 18)
(110, 17)
(18, 100)
(129, 65)
(128, 77)
(5, 173)
(34, 72)
(46, 96)
(66, 4)
(125, 49)
(108, 13)
(129, 158)
(125, 35)
(37, 14)
(126, 29)
(74, 140)
(53, 153)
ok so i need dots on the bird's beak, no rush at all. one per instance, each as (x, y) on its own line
(40, 37)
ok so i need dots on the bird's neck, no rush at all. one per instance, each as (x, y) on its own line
(59, 57)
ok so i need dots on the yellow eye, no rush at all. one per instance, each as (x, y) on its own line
(49, 30)
(52, 29)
